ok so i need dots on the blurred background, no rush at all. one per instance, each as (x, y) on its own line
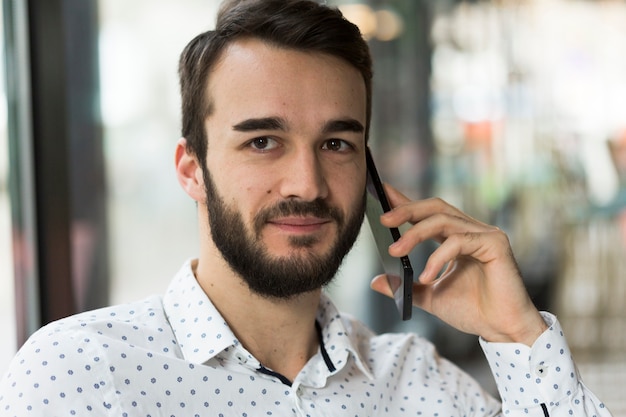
(514, 111)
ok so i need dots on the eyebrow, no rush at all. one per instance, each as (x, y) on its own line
(343, 125)
(278, 123)
(264, 123)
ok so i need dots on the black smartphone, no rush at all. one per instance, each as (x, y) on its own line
(399, 270)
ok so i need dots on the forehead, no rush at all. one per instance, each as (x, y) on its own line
(251, 75)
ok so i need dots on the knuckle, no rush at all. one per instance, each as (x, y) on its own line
(500, 234)
(437, 200)
(471, 236)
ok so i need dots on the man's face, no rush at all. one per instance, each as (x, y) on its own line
(285, 171)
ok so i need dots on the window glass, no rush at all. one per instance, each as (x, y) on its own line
(7, 299)
(152, 223)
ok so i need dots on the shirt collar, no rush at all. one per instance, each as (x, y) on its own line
(200, 330)
(202, 333)
(339, 338)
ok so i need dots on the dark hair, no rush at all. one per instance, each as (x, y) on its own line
(297, 24)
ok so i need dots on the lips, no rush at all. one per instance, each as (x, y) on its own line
(299, 224)
(292, 216)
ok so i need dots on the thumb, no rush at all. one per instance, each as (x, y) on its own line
(422, 293)
(380, 284)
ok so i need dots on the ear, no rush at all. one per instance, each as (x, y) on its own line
(189, 172)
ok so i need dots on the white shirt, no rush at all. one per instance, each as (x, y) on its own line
(176, 356)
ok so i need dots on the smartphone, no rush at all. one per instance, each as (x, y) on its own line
(399, 270)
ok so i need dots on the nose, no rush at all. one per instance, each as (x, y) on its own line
(303, 176)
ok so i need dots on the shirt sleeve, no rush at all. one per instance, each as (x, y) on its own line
(541, 380)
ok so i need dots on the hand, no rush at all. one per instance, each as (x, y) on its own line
(481, 290)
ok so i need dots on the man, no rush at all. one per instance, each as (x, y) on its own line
(276, 110)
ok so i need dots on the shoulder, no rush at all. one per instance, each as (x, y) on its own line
(91, 336)
(109, 322)
(72, 360)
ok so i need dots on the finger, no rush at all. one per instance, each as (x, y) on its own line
(380, 284)
(416, 211)
(480, 246)
(422, 294)
(446, 253)
(437, 227)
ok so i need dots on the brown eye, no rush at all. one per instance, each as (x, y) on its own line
(335, 145)
(260, 143)
(263, 143)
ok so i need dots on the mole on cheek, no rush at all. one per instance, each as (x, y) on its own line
(269, 191)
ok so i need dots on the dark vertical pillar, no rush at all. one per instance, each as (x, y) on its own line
(90, 266)
(21, 168)
(49, 100)
(57, 162)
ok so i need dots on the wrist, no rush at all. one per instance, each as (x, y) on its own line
(526, 334)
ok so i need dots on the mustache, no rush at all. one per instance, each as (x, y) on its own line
(317, 208)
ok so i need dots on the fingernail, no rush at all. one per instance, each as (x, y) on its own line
(394, 244)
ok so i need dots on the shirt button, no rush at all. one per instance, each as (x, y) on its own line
(541, 371)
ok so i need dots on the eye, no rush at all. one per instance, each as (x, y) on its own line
(263, 143)
(337, 145)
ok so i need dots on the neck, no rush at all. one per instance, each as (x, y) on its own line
(280, 333)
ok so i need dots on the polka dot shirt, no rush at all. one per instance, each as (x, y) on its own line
(175, 356)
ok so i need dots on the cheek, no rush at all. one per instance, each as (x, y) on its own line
(231, 179)
(252, 186)
(350, 191)
(248, 193)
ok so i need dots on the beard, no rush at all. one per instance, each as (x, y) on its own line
(281, 277)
